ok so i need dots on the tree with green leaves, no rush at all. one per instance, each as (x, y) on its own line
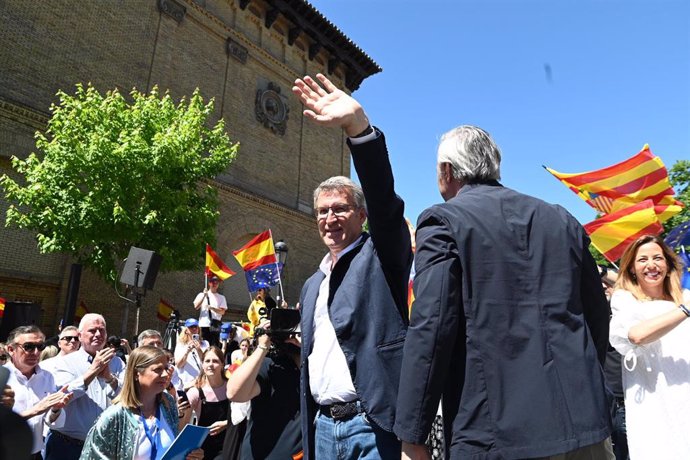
(679, 176)
(113, 172)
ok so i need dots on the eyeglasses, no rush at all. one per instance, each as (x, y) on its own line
(339, 210)
(70, 338)
(4, 357)
(32, 346)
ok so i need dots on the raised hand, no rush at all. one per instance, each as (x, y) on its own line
(329, 106)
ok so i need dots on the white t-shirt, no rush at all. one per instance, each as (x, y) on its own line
(216, 301)
(192, 367)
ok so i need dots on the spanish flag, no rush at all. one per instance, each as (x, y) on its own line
(81, 311)
(2, 307)
(613, 233)
(259, 251)
(611, 189)
(164, 310)
(215, 265)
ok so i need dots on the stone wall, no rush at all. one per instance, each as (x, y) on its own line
(230, 55)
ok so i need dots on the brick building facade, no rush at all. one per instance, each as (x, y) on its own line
(243, 53)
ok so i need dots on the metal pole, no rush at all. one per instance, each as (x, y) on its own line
(137, 297)
(72, 294)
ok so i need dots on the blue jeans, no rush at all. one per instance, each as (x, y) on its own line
(619, 433)
(354, 438)
(58, 448)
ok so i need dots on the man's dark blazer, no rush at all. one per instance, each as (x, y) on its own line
(367, 301)
(510, 324)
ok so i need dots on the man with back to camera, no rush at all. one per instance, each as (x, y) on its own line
(92, 374)
(212, 306)
(509, 321)
(354, 308)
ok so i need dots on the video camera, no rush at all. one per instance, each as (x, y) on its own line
(284, 324)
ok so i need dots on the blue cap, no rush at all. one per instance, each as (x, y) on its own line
(191, 322)
(225, 329)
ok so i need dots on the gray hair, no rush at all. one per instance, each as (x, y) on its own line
(472, 154)
(148, 333)
(341, 184)
(90, 317)
(68, 329)
(21, 330)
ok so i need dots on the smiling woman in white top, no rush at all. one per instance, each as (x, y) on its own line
(650, 328)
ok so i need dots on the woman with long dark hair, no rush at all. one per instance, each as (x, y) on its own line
(208, 399)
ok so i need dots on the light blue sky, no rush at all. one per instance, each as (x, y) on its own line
(620, 78)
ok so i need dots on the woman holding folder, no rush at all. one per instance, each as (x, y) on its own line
(143, 420)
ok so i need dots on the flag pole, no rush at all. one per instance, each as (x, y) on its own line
(280, 281)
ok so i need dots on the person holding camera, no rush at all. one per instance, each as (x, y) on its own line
(188, 352)
(271, 382)
(212, 306)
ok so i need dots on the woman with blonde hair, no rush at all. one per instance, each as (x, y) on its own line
(650, 328)
(143, 420)
(210, 402)
(188, 351)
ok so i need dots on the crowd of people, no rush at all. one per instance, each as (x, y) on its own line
(517, 344)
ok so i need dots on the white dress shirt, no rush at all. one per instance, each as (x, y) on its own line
(329, 376)
(89, 401)
(27, 393)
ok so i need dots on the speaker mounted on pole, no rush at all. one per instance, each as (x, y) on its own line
(141, 268)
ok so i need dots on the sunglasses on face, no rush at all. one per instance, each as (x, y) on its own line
(4, 357)
(70, 338)
(32, 346)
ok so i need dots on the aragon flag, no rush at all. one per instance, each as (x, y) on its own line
(609, 190)
(613, 233)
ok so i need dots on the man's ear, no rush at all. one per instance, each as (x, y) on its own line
(446, 172)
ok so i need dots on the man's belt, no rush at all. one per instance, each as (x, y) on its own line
(340, 411)
(68, 439)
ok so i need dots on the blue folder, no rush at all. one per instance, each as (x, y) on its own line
(190, 438)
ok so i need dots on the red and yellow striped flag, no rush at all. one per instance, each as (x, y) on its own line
(613, 233)
(215, 265)
(2, 307)
(641, 177)
(259, 251)
(164, 310)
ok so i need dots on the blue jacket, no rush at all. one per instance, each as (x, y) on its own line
(510, 324)
(367, 298)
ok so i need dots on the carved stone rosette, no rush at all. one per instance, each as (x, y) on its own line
(271, 109)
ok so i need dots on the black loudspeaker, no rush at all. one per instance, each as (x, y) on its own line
(18, 314)
(148, 262)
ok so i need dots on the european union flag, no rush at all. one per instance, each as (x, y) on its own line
(263, 276)
(679, 236)
(685, 280)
